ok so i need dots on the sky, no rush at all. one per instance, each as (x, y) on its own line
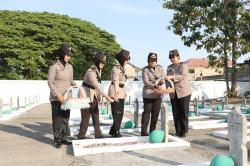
(139, 25)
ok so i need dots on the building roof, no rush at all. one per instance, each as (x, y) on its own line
(197, 62)
(134, 66)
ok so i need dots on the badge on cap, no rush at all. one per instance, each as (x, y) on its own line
(153, 56)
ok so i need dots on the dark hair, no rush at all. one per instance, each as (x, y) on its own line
(173, 53)
(122, 56)
(152, 56)
(99, 58)
(64, 49)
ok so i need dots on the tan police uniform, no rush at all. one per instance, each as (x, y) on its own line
(117, 91)
(151, 100)
(92, 84)
(181, 97)
(181, 82)
(118, 79)
(149, 76)
(60, 78)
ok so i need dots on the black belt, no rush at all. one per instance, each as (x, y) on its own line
(87, 85)
(120, 85)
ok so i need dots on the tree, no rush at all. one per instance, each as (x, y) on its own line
(28, 41)
(219, 26)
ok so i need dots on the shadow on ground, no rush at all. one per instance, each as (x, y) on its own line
(152, 158)
(36, 131)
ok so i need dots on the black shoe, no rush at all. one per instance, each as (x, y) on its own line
(115, 133)
(181, 135)
(57, 144)
(144, 134)
(81, 137)
(99, 137)
(66, 142)
(111, 132)
(177, 134)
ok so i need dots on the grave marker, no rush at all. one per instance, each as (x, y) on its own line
(237, 134)
(196, 106)
(203, 101)
(136, 112)
(1, 105)
(164, 121)
(245, 101)
(223, 102)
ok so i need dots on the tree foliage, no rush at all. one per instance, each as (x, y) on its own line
(222, 27)
(28, 41)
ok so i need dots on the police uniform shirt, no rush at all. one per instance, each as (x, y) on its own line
(149, 76)
(118, 79)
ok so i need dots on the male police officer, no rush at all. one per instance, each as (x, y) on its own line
(92, 86)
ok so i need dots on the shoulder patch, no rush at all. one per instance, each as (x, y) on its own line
(159, 65)
(93, 67)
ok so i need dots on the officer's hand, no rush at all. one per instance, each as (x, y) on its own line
(109, 99)
(170, 90)
(158, 91)
(73, 83)
(61, 99)
(168, 77)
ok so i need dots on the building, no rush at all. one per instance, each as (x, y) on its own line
(133, 72)
(199, 69)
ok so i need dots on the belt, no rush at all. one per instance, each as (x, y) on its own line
(120, 84)
(87, 85)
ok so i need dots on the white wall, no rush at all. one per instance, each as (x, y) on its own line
(22, 88)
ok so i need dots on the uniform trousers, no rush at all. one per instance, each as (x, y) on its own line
(180, 107)
(151, 107)
(85, 114)
(60, 121)
(117, 108)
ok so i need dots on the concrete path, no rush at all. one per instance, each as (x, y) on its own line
(27, 140)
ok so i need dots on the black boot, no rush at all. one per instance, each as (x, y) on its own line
(115, 133)
(144, 134)
(66, 142)
(57, 144)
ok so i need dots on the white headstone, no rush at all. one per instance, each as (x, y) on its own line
(164, 121)
(196, 106)
(245, 102)
(136, 112)
(1, 104)
(237, 134)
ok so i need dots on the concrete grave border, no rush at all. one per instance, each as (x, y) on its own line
(80, 151)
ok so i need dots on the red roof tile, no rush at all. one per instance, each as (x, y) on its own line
(196, 62)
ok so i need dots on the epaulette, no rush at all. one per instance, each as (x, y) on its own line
(159, 65)
(93, 67)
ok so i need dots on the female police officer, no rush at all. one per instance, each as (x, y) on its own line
(92, 86)
(117, 91)
(151, 100)
(60, 78)
(178, 72)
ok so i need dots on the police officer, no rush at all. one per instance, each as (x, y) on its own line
(60, 78)
(178, 72)
(151, 99)
(117, 91)
(92, 86)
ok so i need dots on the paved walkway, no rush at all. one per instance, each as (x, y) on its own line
(27, 140)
